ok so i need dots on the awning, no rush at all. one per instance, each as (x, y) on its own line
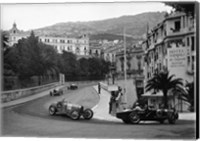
(112, 88)
(150, 94)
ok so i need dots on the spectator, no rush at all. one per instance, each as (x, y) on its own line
(99, 88)
(112, 103)
(119, 100)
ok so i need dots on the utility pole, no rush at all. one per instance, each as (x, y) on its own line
(125, 77)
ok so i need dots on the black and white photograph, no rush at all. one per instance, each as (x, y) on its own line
(100, 70)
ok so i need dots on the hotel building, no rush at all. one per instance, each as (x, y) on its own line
(171, 46)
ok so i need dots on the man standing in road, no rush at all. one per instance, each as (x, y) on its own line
(119, 100)
(99, 88)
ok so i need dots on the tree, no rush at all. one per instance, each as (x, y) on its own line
(187, 95)
(163, 82)
(69, 65)
(187, 7)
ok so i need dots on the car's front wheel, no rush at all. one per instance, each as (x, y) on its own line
(87, 114)
(52, 110)
(172, 119)
(75, 115)
(127, 121)
(134, 118)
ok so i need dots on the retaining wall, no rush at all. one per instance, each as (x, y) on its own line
(7, 96)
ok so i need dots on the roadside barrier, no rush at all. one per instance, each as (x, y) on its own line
(104, 86)
(7, 96)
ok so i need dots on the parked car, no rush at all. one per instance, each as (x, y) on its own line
(56, 92)
(72, 86)
(135, 116)
(73, 111)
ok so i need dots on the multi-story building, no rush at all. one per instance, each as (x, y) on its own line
(135, 61)
(76, 45)
(171, 46)
(15, 34)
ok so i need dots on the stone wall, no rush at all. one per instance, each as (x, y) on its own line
(7, 96)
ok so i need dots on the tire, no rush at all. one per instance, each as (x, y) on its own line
(134, 118)
(51, 94)
(75, 115)
(52, 110)
(88, 114)
(172, 119)
(162, 121)
(127, 121)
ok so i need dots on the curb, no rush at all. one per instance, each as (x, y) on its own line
(99, 98)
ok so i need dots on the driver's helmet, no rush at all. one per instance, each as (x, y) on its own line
(136, 104)
(119, 88)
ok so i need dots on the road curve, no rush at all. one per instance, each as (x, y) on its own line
(32, 119)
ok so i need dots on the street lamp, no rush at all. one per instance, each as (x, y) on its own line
(112, 70)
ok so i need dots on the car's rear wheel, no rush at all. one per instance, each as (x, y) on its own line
(87, 114)
(172, 119)
(52, 110)
(75, 115)
(134, 118)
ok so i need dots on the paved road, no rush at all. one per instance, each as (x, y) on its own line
(32, 119)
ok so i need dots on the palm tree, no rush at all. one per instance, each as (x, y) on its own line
(187, 95)
(163, 82)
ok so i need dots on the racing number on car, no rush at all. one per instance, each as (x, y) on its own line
(69, 106)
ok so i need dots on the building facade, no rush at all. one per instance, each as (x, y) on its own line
(15, 34)
(134, 64)
(76, 45)
(171, 46)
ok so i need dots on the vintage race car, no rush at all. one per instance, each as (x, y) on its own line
(73, 111)
(135, 116)
(73, 87)
(56, 92)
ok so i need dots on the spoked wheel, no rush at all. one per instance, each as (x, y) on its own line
(75, 115)
(134, 118)
(88, 114)
(52, 110)
(172, 119)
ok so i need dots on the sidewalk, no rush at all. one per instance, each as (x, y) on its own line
(102, 108)
(28, 98)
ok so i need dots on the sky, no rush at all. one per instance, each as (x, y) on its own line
(32, 16)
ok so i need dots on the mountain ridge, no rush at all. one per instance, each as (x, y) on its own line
(136, 26)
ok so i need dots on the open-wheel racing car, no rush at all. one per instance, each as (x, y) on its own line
(152, 111)
(72, 86)
(74, 111)
(135, 116)
(56, 92)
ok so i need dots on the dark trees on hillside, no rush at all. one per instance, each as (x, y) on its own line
(87, 69)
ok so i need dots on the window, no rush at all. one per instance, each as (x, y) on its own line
(188, 41)
(192, 43)
(177, 25)
(188, 60)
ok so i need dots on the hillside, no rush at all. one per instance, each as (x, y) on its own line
(135, 26)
